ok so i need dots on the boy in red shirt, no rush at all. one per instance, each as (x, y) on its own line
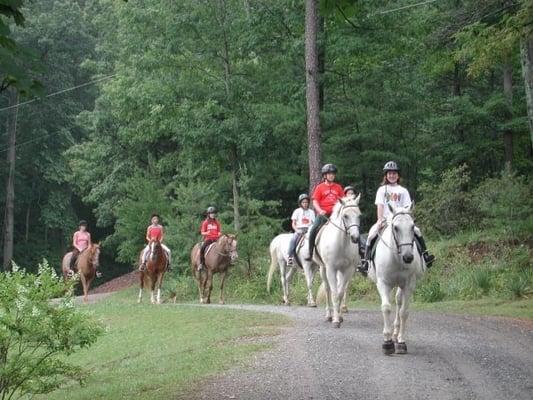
(154, 232)
(325, 196)
(210, 231)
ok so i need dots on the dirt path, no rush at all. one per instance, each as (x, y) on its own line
(450, 357)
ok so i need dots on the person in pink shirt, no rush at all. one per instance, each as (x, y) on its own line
(80, 241)
(154, 232)
(210, 231)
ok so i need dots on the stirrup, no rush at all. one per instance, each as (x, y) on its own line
(200, 267)
(363, 268)
(428, 258)
(70, 273)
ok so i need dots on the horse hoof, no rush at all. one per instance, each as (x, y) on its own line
(312, 305)
(336, 324)
(329, 319)
(401, 348)
(341, 319)
(388, 347)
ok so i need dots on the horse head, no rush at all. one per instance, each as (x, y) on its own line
(231, 247)
(403, 231)
(95, 254)
(347, 210)
(155, 249)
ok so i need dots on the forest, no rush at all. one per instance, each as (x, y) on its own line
(112, 110)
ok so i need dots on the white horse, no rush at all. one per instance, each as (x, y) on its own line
(397, 263)
(279, 254)
(337, 254)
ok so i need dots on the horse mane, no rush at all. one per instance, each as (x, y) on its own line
(343, 202)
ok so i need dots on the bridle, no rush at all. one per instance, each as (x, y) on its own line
(227, 245)
(345, 229)
(398, 245)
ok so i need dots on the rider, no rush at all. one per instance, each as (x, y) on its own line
(210, 231)
(80, 241)
(301, 218)
(392, 192)
(325, 196)
(154, 232)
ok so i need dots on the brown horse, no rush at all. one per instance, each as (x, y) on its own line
(86, 264)
(221, 255)
(156, 267)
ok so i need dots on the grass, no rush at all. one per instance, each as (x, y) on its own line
(159, 352)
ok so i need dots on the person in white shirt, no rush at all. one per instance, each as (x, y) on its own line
(391, 192)
(302, 218)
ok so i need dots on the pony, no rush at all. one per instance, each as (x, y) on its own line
(279, 254)
(337, 254)
(218, 258)
(397, 264)
(156, 266)
(86, 264)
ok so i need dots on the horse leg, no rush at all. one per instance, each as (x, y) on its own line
(329, 310)
(344, 306)
(384, 292)
(158, 285)
(152, 289)
(309, 273)
(344, 283)
(141, 282)
(396, 325)
(288, 280)
(335, 298)
(284, 285)
(209, 286)
(222, 279)
(405, 295)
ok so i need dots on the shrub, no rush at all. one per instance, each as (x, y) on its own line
(36, 332)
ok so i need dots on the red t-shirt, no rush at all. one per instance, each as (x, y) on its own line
(327, 195)
(155, 232)
(212, 227)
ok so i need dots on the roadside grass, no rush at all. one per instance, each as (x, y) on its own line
(160, 352)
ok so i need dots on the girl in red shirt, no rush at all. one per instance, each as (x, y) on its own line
(210, 231)
(154, 232)
(325, 196)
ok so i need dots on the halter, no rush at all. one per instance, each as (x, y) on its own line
(346, 228)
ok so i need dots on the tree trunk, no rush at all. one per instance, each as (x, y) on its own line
(312, 91)
(508, 92)
(235, 188)
(526, 58)
(10, 185)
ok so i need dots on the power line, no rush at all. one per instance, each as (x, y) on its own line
(30, 141)
(59, 92)
(402, 8)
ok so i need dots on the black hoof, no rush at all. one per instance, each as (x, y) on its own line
(341, 319)
(329, 319)
(401, 348)
(336, 324)
(388, 347)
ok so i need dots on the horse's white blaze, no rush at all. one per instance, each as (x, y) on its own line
(337, 253)
(397, 264)
(279, 254)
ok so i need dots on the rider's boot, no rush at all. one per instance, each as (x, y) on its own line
(428, 258)
(290, 261)
(365, 262)
(142, 267)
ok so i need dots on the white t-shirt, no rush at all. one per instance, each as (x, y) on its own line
(304, 218)
(396, 195)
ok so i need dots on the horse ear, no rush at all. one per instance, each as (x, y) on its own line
(357, 199)
(342, 201)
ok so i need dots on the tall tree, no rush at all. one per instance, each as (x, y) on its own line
(312, 90)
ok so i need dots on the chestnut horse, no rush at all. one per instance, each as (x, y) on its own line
(220, 256)
(86, 264)
(156, 267)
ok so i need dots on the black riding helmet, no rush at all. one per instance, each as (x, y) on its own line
(302, 197)
(211, 210)
(391, 166)
(349, 188)
(329, 168)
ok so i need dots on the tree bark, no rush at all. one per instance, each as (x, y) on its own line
(235, 188)
(312, 91)
(526, 58)
(508, 92)
(10, 185)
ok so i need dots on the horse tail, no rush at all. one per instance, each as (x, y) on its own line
(273, 265)
(321, 295)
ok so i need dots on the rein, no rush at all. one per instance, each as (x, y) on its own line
(346, 228)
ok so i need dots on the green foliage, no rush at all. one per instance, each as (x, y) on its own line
(447, 205)
(36, 332)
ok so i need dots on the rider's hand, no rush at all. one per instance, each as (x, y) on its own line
(322, 212)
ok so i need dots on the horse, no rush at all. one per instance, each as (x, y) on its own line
(397, 263)
(279, 253)
(87, 263)
(156, 266)
(218, 258)
(337, 254)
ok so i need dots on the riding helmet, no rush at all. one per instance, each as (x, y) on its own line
(211, 210)
(302, 197)
(82, 222)
(348, 188)
(391, 166)
(329, 168)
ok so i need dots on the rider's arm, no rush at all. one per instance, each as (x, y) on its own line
(148, 234)
(317, 207)
(380, 212)
(74, 240)
(203, 229)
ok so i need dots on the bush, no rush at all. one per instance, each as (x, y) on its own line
(36, 332)
(447, 207)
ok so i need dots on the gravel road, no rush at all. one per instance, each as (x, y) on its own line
(450, 357)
